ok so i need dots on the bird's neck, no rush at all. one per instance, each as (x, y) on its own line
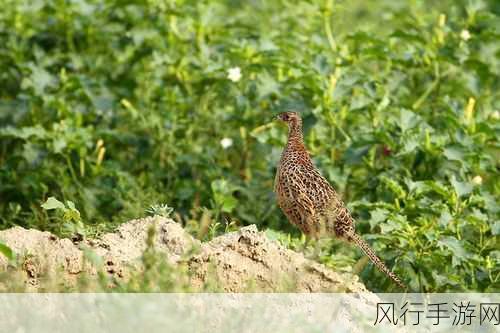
(295, 138)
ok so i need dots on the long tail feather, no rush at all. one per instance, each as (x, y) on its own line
(363, 245)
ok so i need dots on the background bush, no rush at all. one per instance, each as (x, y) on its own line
(118, 106)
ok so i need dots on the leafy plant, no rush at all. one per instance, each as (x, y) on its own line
(72, 222)
(113, 106)
(160, 210)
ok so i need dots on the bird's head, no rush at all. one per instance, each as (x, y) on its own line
(289, 117)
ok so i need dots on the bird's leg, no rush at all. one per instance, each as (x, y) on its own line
(319, 230)
(313, 237)
(316, 248)
(307, 242)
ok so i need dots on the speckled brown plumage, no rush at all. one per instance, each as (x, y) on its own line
(309, 201)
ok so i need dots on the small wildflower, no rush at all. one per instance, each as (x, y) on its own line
(477, 180)
(465, 34)
(234, 74)
(226, 143)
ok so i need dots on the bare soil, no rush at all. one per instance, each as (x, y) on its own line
(245, 260)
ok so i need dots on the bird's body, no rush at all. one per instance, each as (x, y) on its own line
(309, 201)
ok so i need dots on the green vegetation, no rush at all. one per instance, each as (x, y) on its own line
(119, 106)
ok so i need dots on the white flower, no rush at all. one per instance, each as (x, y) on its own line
(234, 74)
(226, 143)
(465, 34)
(477, 180)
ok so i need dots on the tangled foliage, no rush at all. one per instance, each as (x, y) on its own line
(119, 106)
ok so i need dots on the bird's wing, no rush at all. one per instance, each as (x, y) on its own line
(305, 203)
(297, 188)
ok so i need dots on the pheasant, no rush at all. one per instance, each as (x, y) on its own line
(309, 201)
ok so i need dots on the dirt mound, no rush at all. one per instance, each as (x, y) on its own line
(245, 260)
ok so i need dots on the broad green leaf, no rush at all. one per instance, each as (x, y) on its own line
(445, 218)
(222, 191)
(409, 145)
(6, 251)
(359, 102)
(24, 132)
(267, 45)
(31, 152)
(389, 226)
(461, 188)
(221, 186)
(59, 144)
(267, 85)
(378, 215)
(354, 155)
(454, 154)
(53, 203)
(40, 79)
(70, 205)
(495, 228)
(408, 120)
(459, 253)
(229, 203)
